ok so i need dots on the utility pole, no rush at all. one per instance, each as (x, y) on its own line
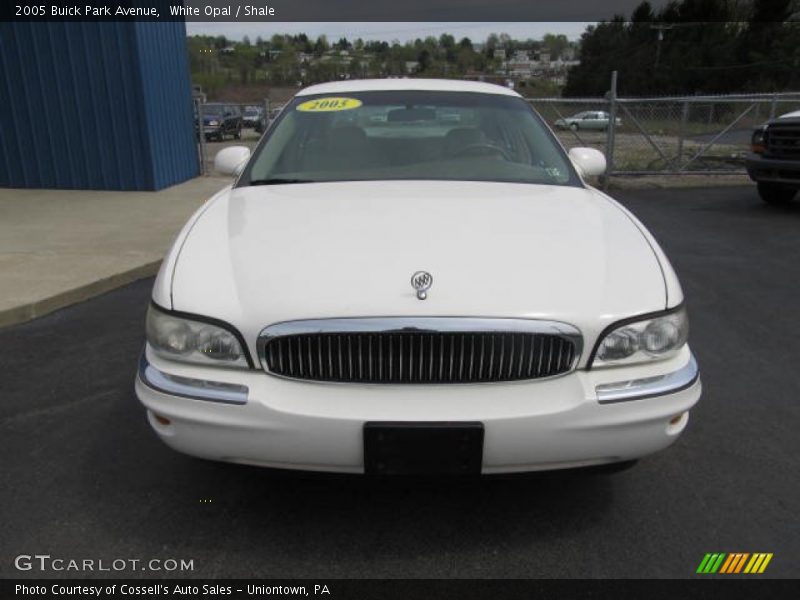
(661, 29)
(612, 126)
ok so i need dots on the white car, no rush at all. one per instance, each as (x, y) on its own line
(408, 295)
(596, 120)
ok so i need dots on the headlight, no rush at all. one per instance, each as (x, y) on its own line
(213, 122)
(758, 142)
(186, 340)
(650, 339)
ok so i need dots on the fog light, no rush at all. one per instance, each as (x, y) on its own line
(162, 420)
(677, 419)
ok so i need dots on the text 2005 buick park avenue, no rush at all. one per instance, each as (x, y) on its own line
(412, 276)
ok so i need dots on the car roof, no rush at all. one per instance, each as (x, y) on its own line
(790, 115)
(426, 85)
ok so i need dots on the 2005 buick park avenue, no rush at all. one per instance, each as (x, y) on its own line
(412, 276)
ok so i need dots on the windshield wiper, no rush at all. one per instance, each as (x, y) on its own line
(278, 181)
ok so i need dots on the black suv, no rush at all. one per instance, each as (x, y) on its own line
(774, 162)
(220, 120)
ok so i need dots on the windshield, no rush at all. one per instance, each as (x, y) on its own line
(371, 136)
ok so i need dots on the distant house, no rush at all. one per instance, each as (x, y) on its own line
(336, 57)
(520, 65)
(525, 65)
(412, 66)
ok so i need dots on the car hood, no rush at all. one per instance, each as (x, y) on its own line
(264, 254)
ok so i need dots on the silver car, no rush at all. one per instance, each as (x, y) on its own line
(589, 120)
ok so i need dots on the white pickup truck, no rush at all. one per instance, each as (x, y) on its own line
(774, 160)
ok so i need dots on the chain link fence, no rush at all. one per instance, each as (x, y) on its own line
(665, 136)
(648, 136)
(220, 124)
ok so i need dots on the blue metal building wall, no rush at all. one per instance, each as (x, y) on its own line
(95, 106)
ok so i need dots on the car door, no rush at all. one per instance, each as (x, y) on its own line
(229, 120)
(578, 118)
(589, 121)
(236, 120)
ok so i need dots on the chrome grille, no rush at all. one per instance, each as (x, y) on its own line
(783, 140)
(428, 350)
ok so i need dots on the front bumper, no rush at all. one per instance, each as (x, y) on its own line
(773, 170)
(581, 419)
(209, 129)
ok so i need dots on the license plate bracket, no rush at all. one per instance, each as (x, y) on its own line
(426, 448)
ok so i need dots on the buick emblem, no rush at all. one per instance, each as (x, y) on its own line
(422, 282)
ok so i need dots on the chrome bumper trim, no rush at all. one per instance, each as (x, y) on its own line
(187, 387)
(660, 385)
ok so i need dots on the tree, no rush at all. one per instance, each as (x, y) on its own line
(492, 42)
(692, 46)
(277, 42)
(555, 44)
(321, 45)
(602, 48)
(424, 59)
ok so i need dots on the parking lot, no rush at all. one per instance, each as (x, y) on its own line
(84, 477)
(249, 138)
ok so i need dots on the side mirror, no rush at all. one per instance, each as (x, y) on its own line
(588, 161)
(231, 160)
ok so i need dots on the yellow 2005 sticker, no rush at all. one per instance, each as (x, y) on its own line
(329, 104)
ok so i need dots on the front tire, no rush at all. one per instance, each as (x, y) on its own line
(616, 467)
(775, 193)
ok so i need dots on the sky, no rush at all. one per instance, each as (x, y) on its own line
(403, 32)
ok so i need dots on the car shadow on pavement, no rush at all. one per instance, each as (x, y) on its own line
(227, 514)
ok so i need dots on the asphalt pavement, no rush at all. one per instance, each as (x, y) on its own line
(84, 477)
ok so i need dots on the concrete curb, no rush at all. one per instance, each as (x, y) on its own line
(32, 310)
